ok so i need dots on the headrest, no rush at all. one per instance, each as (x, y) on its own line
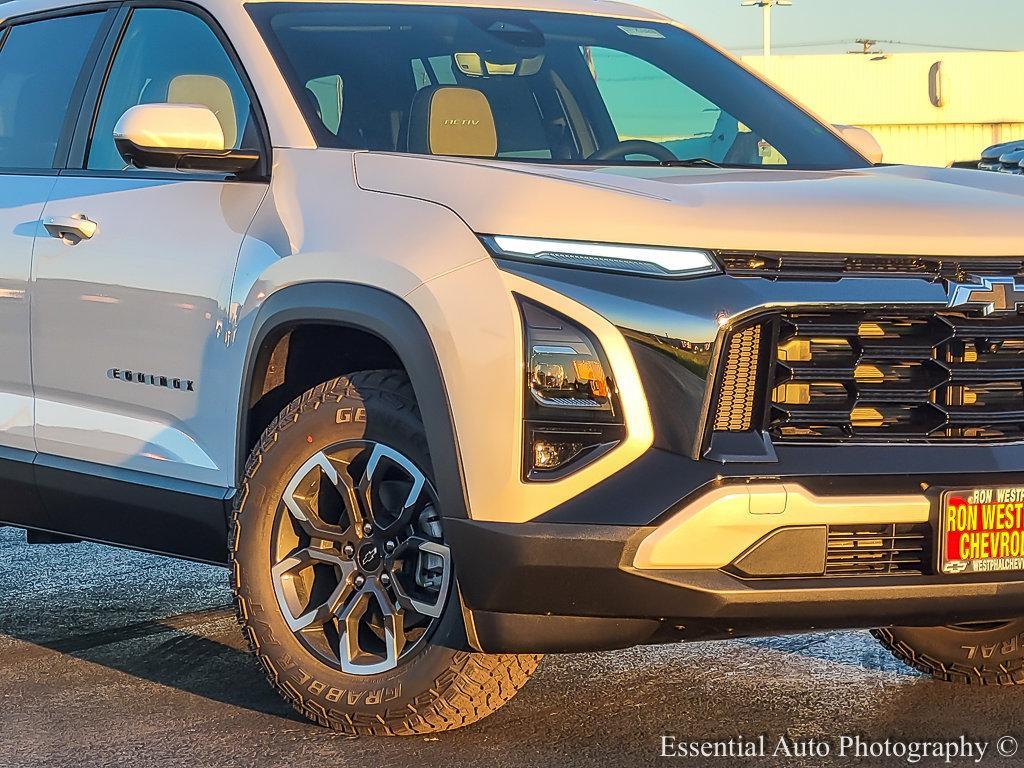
(208, 91)
(450, 120)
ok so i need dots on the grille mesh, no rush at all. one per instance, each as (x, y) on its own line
(738, 392)
(868, 375)
(878, 550)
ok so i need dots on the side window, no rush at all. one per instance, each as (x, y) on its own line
(170, 56)
(40, 63)
(443, 69)
(326, 94)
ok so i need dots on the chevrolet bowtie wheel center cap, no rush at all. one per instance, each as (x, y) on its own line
(369, 560)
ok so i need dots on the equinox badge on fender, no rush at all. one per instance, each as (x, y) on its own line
(995, 295)
(153, 379)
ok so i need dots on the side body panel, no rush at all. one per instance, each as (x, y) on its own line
(130, 333)
(23, 199)
(22, 204)
(129, 326)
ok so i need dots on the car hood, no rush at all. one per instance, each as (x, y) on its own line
(896, 210)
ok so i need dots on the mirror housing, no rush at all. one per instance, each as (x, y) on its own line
(181, 137)
(863, 141)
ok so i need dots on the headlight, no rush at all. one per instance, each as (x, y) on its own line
(634, 259)
(572, 413)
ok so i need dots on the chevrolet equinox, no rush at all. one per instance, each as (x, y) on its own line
(466, 332)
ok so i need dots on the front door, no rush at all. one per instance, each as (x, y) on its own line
(130, 321)
(34, 93)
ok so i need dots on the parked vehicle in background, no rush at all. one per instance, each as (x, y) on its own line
(1004, 158)
(464, 334)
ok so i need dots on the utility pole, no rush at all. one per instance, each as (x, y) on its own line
(867, 46)
(766, 10)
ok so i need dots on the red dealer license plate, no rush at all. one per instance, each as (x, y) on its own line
(983, 530)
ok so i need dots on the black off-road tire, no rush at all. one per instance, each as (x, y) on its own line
(990, 654)
(440, 687)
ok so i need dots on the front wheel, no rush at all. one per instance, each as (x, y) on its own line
(990, 653)
(343, 580)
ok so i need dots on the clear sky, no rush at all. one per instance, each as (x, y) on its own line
(988, 24)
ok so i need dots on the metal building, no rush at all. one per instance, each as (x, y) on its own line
(924, 108)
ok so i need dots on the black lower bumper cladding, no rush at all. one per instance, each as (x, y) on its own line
(548, 587)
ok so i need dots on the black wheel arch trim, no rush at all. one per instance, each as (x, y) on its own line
(391, 319)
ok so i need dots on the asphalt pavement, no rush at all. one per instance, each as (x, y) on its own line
(116, 658)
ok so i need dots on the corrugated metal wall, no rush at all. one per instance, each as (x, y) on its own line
(941, 144)
(924, 108)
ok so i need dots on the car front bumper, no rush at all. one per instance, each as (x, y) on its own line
(550, 587)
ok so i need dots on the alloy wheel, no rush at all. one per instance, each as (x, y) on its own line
(360, 567)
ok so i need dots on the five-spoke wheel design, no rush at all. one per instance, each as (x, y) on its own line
(359, 563)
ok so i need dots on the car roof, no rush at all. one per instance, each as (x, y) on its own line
(217, 7)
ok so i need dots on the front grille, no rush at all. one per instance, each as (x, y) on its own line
(816, 266)
(872, 375)
(879, 550)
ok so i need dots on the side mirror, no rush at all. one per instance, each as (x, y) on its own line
(861, 140)
(184, 137)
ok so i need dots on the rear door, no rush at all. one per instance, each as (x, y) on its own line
(42, 61)
(131, 326)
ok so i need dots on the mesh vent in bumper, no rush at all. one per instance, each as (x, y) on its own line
(879, 550)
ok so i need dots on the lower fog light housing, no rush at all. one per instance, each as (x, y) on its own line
(571, 408)
(552, 452)
(555, 451)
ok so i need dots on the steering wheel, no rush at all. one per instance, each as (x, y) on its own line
(619, 150)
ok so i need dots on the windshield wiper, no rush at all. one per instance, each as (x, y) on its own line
(690, 162)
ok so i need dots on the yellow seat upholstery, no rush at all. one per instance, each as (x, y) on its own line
(451, 120)
(208, 91)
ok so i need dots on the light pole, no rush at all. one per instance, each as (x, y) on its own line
(766, 8)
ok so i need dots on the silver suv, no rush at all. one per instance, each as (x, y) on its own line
(465, 333)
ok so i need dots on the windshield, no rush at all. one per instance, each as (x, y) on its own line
(533, 86)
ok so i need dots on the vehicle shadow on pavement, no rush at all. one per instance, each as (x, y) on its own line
(846, 648)
(200, 653)
(163, 621)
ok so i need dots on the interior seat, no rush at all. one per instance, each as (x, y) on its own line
(209, 91)
(452, 120)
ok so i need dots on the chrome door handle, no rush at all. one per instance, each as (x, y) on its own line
(70, 229)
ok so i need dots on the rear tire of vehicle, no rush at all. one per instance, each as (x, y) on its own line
(434, 684)
(980, 654)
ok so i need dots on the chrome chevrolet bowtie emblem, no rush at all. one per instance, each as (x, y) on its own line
(992, 294)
